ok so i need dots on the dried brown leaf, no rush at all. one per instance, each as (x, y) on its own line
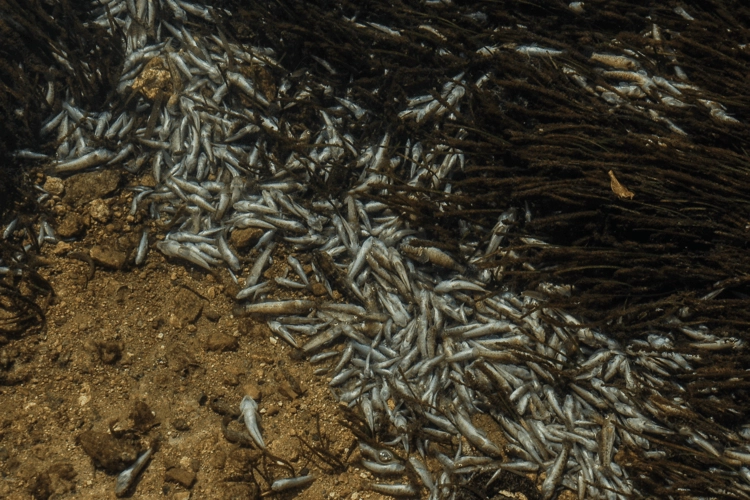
(617, 188)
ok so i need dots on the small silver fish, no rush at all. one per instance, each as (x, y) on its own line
(127, 477)
(249, 413)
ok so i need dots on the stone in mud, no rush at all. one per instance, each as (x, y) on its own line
(83, 188)
(211, 314)
(186, 306)
(142, 417)
(99, 211)
(108, 257)
(180, 476)
(71, 225)
(244, 238)
(180, 424)
(318, 289)
(54, 186)
(221, 342)
(107, 452)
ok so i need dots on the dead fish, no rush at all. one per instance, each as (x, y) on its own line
(127, 477)
(249, 413)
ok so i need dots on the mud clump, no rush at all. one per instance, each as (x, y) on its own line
(108, 257)
(108, 453)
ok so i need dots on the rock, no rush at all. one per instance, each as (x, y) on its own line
(142, 416)
(99, 211)
(181, 495)
(62, 247)
(222, 407)
(108, 257)
(83, 188)
(112, 455)
(54, 186)
(245, 238)
(180, 424)
(180, 476)
(318, 289)
(221, 342)
(70, 226)
(186, 306)
(211, 314)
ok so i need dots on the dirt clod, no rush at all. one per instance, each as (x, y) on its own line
(99, 211)
(221, 342)
(186, 306)
(111, 454)
(245, 238)
(143, 417)
(108, 257)
(318, 289)
(71, 225)
(54, 186)
(180, 424)
(184, 477)
(80, 189)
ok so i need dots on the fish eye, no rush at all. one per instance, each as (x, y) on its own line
(385, 456)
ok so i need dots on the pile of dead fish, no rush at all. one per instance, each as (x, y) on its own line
(418, 344)
(629, 84)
